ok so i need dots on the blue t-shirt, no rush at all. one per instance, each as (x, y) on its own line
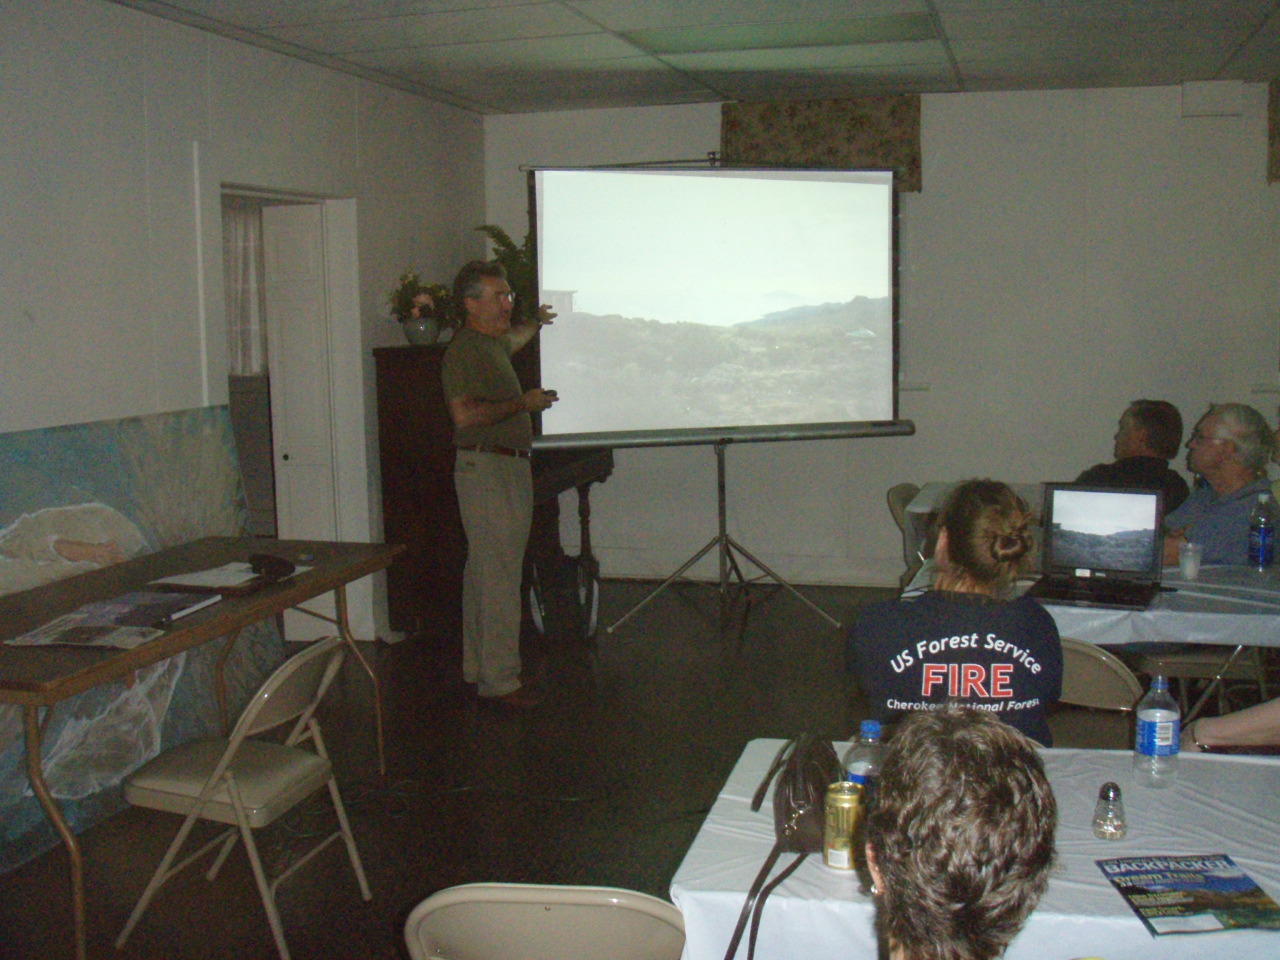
(1218, 523)
(1002, 656)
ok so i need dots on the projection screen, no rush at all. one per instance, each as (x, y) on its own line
(696, 305)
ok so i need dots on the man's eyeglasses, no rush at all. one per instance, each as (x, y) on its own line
(506, 295)
(1197, 435)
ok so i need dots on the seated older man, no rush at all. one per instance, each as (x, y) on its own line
(1229, 448)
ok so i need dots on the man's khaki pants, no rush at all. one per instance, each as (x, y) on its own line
(495, 497)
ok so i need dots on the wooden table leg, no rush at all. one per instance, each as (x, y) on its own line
(220, 681)
(35, 775)
(344, 628)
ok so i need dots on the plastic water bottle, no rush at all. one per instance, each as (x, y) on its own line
(862, 759)
(1155, 748)
(1262, 532)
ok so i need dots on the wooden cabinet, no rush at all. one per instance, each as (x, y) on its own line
(419, 505)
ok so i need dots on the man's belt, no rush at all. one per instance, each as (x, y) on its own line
(502, 451)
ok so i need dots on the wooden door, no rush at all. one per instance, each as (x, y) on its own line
(301, 388)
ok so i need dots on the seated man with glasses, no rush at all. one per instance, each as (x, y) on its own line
(1229, 448)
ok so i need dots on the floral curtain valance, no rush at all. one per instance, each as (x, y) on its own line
(858, 132)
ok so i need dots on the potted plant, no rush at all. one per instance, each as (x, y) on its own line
(521, 264)
(423, 309)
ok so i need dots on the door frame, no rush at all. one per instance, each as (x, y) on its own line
(348, 405)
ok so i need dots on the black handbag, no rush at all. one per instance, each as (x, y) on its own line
(808, 766)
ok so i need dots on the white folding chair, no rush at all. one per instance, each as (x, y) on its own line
(249, 783)
(1204, 662)
(1098, 696)
(502, 921)
(898, 497)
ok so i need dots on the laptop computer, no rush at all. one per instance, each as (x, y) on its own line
(1102, 547)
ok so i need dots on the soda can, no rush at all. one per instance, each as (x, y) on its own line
(843, 808)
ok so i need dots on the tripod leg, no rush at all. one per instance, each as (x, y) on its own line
(728, 563)
(665, 583)
(735, 545)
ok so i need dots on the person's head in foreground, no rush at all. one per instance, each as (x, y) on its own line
(983, 538)
(959, 836)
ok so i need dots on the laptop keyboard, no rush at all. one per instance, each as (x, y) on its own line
(1100, 591)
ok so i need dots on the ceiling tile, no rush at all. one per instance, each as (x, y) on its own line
(1049, 22)
(456, 26)
(826, 86)
(500, 55)
(1259, 58)
(259, 14)
(625, 15)
(763, 36)
(634, 82)
(525, 55)
(814, 58)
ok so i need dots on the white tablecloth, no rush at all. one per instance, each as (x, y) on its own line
(1218, 805)
(1225, 606)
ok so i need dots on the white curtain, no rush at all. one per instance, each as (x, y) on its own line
(243, 265)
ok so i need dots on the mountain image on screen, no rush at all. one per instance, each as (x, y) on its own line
(1123, 550)
(793, 366)
(701, 303)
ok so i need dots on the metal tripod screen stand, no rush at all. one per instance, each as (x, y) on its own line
(729, 549)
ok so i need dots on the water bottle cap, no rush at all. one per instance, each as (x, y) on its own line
(1109, 791)
(870, 729)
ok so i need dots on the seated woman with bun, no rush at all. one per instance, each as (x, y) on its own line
(965, 640)
(960, 837)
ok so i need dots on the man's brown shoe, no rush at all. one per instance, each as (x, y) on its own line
(521, 698)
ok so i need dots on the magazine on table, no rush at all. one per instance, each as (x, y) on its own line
(1194, 893)
(125, 621)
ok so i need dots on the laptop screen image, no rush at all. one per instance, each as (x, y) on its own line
(1100, 532)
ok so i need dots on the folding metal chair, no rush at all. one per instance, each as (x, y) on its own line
(249, 783)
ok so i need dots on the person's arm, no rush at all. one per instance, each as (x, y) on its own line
(524, 332)
(1254, 726)
(475, 412)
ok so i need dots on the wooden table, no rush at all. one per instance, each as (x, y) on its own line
(38, 678)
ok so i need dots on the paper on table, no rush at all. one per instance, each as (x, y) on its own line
(229, 575)
(233, 579)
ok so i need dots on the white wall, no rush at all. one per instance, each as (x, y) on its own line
(119, 129)
(107, 113)
(1070, 251)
